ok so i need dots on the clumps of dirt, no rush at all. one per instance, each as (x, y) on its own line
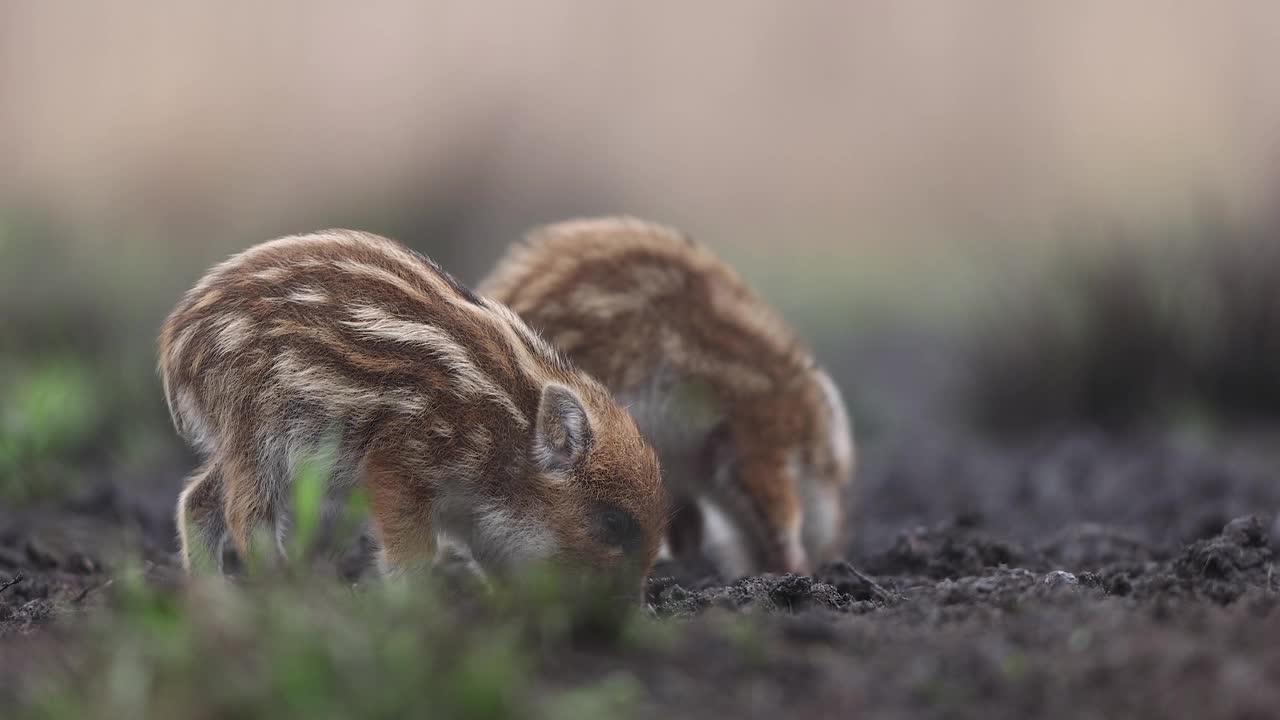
(43, 568)
(36, 583)
(1094, 621)
(1224, 567)
(21, 616)
(957, 619)
(1220, 569)
(61, 552)
(1002, 587)
(836, 586)
(957, 565)
(952, 550)
(790, 593)
(762, 593)
(1239, 552)
(859, 586)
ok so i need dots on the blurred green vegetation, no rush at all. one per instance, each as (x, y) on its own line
(285, 642)
(49, 412)
(77, 380)
(297, 648)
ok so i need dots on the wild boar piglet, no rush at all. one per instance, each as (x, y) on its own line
(751, 432)
(447, 410)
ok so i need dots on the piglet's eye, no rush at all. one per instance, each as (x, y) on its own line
(616, 527)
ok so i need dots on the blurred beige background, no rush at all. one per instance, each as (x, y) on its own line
(889, 173)
(869, 125)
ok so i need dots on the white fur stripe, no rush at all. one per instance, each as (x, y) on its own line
(329, 386)
(232, 332)
(381, 275)
(519, 337)
(307, 296)
(468, 380)
(273, 274)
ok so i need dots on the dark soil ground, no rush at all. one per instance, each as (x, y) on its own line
(1078, 576)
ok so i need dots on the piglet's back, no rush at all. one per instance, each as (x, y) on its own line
(344, 326)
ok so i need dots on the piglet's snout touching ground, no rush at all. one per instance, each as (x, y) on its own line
(449, 413)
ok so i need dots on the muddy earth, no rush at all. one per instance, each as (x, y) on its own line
(1079, 575)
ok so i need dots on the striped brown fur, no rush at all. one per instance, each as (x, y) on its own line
(450, 413)
(742, 417)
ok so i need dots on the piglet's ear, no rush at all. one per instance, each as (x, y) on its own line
(563, 431)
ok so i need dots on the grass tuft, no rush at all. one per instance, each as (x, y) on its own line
(293, 647)
(49, 412)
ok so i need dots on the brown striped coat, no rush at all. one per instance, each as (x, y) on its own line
(746, 424)
(449, 412)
